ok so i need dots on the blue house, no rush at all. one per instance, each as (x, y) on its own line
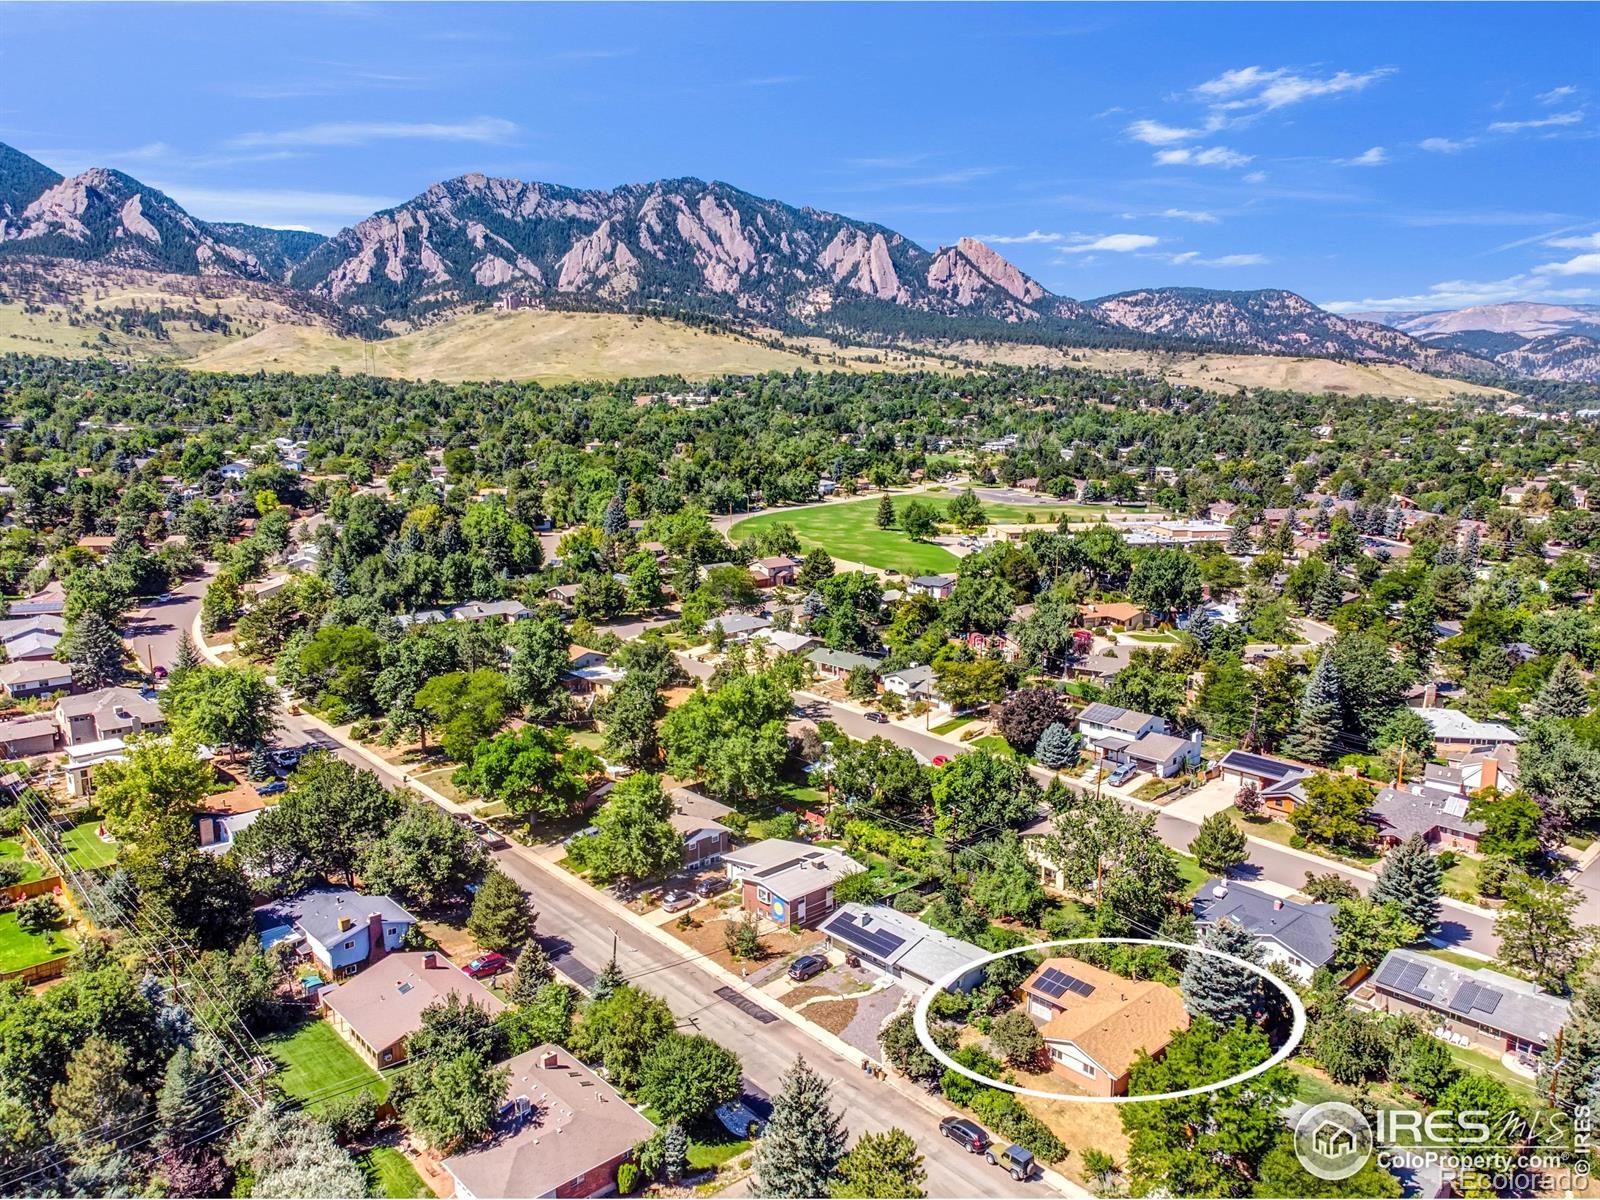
(342, 929)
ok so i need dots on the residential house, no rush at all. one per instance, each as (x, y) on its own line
(340, 928)
(112, 712)
(1455, 735)
(377, 1010)
(1109, 730)
(1300, 937)
(911, 952)
(1280, 784)
(790, 883)
(775, 571)
(83, 758)
(1101, 667)
(35, 637)
(27, 736)
(485, 610)
(913, 684)
(563, 593)
(837, 664)
(1194, 532)
(561, 1131)
(1112, 612)
(1504, 1016)
(1162, 754)
(34, 677)
(233, 472)
(1096, 1024)
(1440, 817)
(699, 819)
(218, 831)
(939, 587)
(589, 673)
(786, 641)
(50, 600)
(741, 627)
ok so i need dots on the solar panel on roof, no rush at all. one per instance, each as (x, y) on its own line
(1391, 972)
(879, 942)
(1082, 988)
(1052, 982)
(1465, 995)
(1410, 977)
(1487, 1000)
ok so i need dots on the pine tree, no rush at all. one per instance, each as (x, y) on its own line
(1471, 551)
(804, 1141)
(608, 981)
(1565, 694)
(1329, 592)
(674, 1153)
(1412, 879)
(95, 651)
(1202, 628)
(1220, 845)
(1317, 725)
(186, 1096)
(1215, 988)
(1057, 746)
(188, 656)
(533, 972)
(501, 916)
(615, 521)
(260, 767)
(885, 517)
(1239, 538)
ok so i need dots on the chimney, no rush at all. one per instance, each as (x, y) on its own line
(1430, 695)
(1491, 773)
(375, 945)
(430, 961)
(346, 924)
(1220, 891)
(1277, 904)
(548, 1060)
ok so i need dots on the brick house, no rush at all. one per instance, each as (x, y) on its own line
(1095, 1024)
(789, 883)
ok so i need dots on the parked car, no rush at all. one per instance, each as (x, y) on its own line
(591, 831)
(712, 885)
(1122, 774)
(289, 756)
(271, 789)
(965, 1133)
(807, 966)
(164, 598)
(739, 1119)
(939, 760)
(487, 967)
(461, 817)
(676, 901)
(1015, 1160)
(877, 718)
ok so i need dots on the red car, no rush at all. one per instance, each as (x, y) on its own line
(939, 760)
(487, 967)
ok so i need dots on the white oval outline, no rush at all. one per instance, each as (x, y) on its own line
(919, 1020)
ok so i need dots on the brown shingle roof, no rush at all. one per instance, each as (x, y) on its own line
(1118, 1020)
(384, 1003)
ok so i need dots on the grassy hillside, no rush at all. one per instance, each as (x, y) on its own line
(543, 346)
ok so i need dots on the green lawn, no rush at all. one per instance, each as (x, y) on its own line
(19, 949)
(1458, 959)
(1269, 830)
(953, 724)
(1165, 639)
(1489, 1064)
(1462, 879)
(1193, 873)
(390, 1173)
(848, 531)
(85, 847)
(316, 1062)
(439, 780)
(10, 849)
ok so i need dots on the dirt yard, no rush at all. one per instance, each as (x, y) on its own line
(707, 937)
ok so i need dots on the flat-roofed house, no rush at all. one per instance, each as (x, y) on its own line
(788, 882)
(1095, 1024)
(1496, 1013)
(561, 1131)
(911, 952)
(377, 1010)
(113, 712)
(1456, 735)
(34, 677)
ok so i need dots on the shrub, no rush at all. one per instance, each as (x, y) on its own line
(11, 871)
(861, 888)
(906, 849)
(1001, 1112)
(785, 825)
(910, 901)
(38, 914)
(627, 1178)
(957, 1088)
(743, 938)
(352, 1117)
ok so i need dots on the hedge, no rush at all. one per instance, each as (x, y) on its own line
(904, 848)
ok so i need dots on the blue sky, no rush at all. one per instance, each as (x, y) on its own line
(1405, 155)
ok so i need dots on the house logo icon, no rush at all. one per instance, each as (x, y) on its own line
(1332, 1140)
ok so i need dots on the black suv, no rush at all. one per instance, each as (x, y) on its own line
(965, 1133)
(712, 885)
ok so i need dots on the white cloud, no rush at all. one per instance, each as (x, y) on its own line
(771, 80)
(1031, 238)
(1192, 258)
(1375, 157)
(1464, 293)
(1443, 145)
(1255, 87)
(286, 208)
(1209, 156)
(1185, 214)
(1583, 264)
(357, 133)
(1154, 133)
(1589, 241)
(1555, 119)
(1556, 95)
(1117, 243)
(1255, 177)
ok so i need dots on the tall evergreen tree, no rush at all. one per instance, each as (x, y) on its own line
(1412, 879)
(1220, 845)
(1239, 537)
(188, 654)
(607, 982)
(1565, 694)
(614, 523)
(1058, 746)
(1220, 990)
(533, 972)
(1202, 628)
(95, 651)
(885, 517)
(805, 1139)
(1317, 725)
(1327, 594)
(186, 1098)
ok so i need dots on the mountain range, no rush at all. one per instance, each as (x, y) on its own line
(688, 246)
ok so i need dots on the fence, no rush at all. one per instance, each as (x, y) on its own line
(39, 972)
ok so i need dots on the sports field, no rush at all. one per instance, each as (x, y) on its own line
(849, 530)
